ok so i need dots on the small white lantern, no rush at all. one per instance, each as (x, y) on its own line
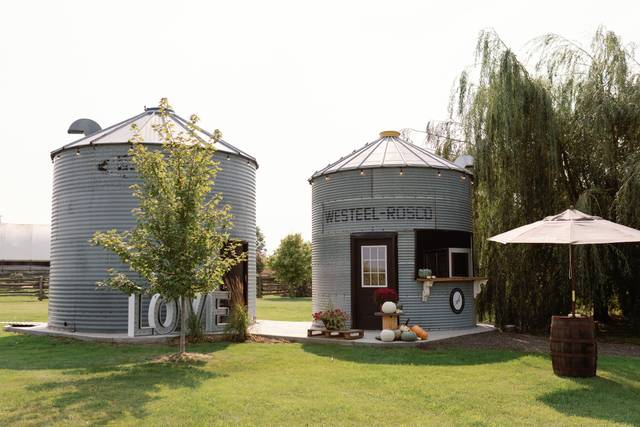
(387, 335)
(389, 307)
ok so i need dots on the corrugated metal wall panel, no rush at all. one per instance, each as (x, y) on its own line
(436, 313)
(448, 197)
(91, 195)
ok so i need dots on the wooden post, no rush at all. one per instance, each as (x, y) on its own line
(258, 286)
(41, 289)
(390, 322)
(572, 275)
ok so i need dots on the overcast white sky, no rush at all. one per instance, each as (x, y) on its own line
(296, 84)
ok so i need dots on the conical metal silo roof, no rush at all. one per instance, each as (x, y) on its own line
(145, 122)
(389, 150)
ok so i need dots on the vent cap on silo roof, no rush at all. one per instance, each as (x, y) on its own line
(121, 133)
(391, 133)
(389, 150)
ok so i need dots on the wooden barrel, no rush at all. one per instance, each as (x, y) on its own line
(574, 351)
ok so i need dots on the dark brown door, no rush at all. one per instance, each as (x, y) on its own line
(373, 266)
(236, 281)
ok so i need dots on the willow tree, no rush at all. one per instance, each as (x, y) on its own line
(596, 94)
(180, 244)
(565, 132)
(507, 119)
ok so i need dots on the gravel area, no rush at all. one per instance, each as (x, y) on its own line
(522, 342)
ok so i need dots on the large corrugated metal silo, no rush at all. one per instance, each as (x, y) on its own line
(91, 181)
(381, 214)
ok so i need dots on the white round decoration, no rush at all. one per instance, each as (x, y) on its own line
(389, 307)
(456, 300)
(387, 335)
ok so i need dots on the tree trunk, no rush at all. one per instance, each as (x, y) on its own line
(600, 310)
(183, 324)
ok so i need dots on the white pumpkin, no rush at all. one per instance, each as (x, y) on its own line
(404, 328)
(389, 307)
(387, 335)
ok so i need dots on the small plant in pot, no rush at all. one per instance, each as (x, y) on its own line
(333, 319)
(382, 295)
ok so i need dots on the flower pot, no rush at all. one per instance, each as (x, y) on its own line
(333, 326)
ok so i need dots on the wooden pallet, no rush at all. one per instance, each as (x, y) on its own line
(349, 334)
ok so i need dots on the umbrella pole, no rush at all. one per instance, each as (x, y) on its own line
(572, 276)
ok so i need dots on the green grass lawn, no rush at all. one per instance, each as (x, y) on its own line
(283, 308)
(22, 309)
(268, 308)
(48, 381)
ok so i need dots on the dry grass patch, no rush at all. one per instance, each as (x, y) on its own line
(183, 358)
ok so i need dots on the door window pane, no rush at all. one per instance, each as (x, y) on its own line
(374, 266)
(366, 279)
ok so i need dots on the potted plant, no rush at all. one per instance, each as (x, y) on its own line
(382, 295)
(333, 319)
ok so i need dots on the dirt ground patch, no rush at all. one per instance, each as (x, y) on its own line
(183, 358)
(522, 342)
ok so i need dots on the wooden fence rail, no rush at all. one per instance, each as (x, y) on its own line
(267, 286)
(24, 285)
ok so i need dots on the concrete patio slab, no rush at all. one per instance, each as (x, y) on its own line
(121, 338)
(289, 331)
(297, 332)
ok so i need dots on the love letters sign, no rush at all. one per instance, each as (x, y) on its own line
(212, 309)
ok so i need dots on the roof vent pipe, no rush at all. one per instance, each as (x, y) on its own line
(389, 133)
(84, 126)
(465, 161)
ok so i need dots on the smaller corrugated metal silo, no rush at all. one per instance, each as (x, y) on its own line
(382, 214)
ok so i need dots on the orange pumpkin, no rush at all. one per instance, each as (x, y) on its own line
(421, 333)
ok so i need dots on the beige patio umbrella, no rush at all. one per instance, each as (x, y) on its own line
(570, 227)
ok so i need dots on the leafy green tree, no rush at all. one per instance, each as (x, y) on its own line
(261, 251)
(180, 245)
(291, 264)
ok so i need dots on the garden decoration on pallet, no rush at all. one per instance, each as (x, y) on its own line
(333, 319)
(335, 322)
(574, 352)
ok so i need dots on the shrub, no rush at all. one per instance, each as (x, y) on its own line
(194, 326)
(382, 295)
(291, 265)
(299, 290)
(237, 328)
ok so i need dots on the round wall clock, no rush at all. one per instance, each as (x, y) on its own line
(456, 300)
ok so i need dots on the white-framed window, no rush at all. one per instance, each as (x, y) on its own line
(460, 262)
(374, 266)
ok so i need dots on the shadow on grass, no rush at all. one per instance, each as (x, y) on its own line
(411, 356)
(25, 352)
(92, 383)
(614, 395)
(107, 396)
